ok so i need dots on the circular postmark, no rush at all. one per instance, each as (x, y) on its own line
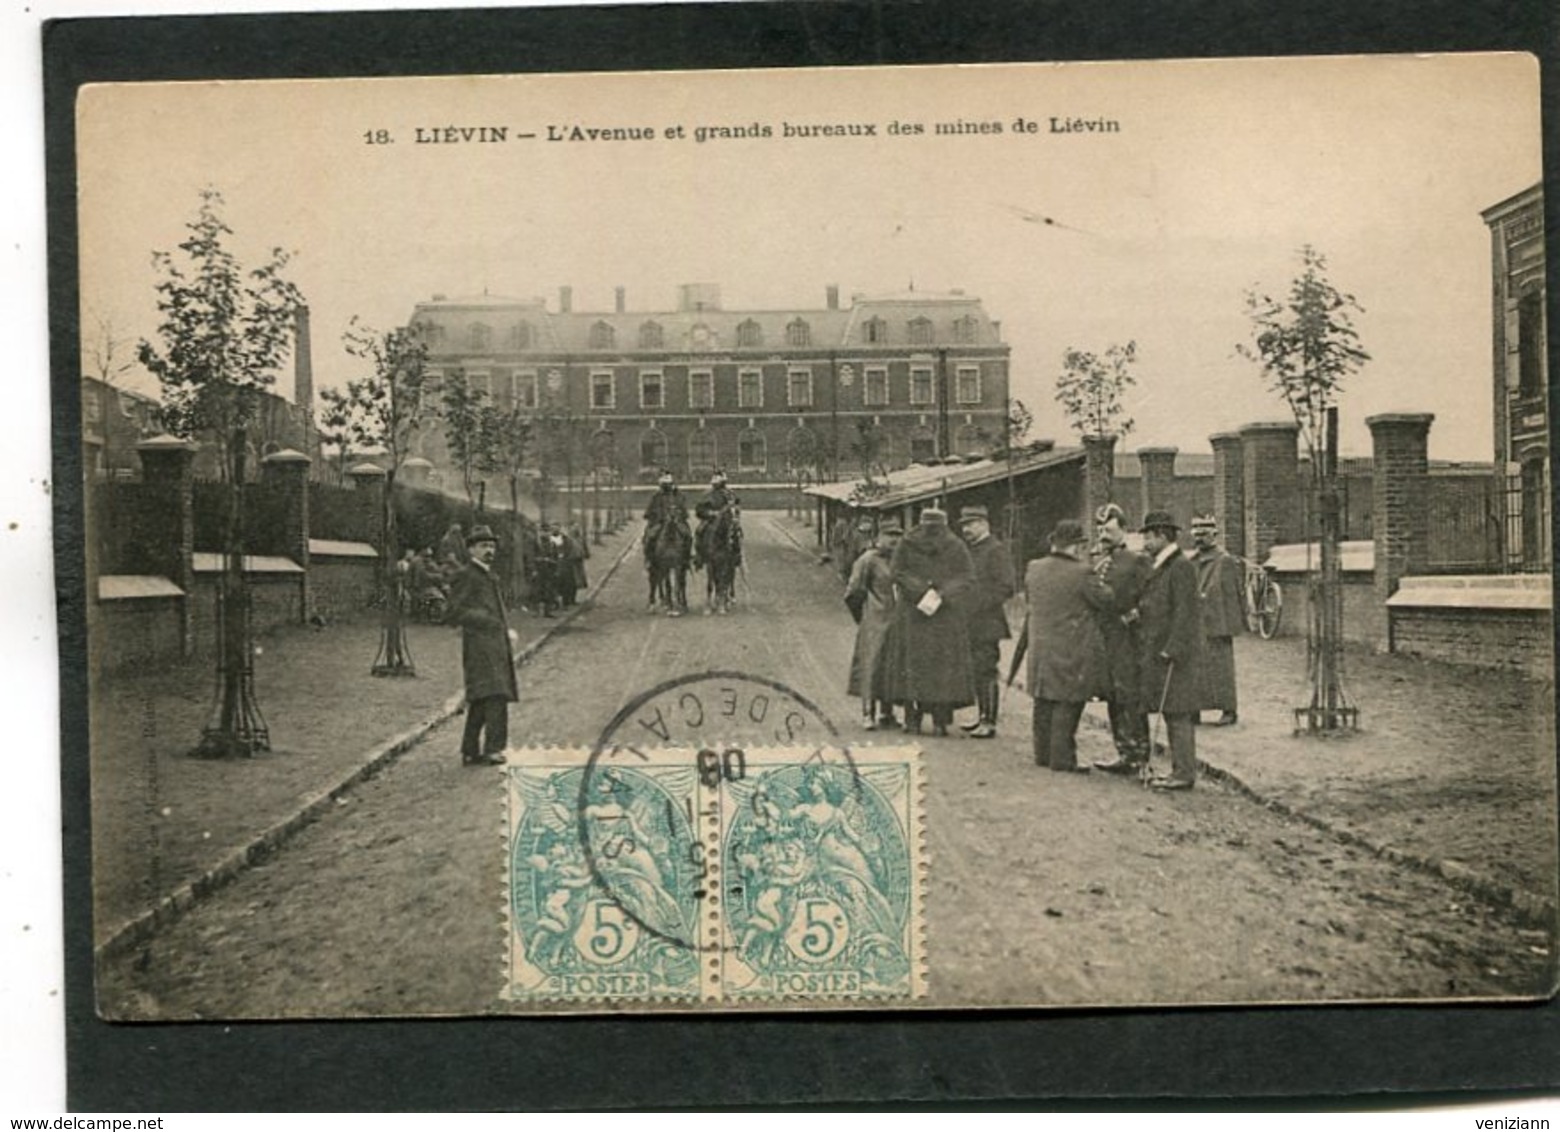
(660, 780)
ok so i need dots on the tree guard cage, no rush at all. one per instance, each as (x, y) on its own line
(1329, 710)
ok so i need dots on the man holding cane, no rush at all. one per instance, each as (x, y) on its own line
(1171, 630)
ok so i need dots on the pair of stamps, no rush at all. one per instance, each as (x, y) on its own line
(713, 876)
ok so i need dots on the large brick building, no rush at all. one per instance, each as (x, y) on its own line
(758, 393)
(1521, 381)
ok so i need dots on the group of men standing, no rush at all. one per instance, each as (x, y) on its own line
(1149, 632)
(930, 612)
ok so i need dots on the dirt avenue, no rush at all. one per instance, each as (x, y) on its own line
(1043, 888)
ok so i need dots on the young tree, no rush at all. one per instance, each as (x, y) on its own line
(505, 450)
(462, 412)
(385, 411)
(224, 332)
(1306, 347)
(338, 426)
(1090, 389)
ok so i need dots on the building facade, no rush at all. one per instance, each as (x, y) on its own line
(762, 394)
(1521, 377)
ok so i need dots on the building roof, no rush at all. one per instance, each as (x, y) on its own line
(122, 587)
(920, 482)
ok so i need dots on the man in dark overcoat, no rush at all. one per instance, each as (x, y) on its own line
(1066, 647)
(933, 573)
(986, 621)
(1218, 596)
(1124, 571)
(486, 652)
(1171, 646)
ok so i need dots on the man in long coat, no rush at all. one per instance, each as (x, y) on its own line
(933, 571)
(1218, 595)
(1066, 647)
(870, 595)
(1171, 646)
(486, 653)
(987, 618)
(1124, 571)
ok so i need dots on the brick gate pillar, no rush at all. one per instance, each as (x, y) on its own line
(1270, 489)
(1229, 492)
(1400, 496)
(1158, 480)
(168, 465)
(1099, 475)
(289, 471)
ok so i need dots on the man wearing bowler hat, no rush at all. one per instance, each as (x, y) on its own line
(487, 653)
(1171, 641)
(986, 620)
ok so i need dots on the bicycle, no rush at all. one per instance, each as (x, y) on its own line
(1263, 600)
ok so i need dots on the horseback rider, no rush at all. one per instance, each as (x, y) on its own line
(666, 505)
(719, 500)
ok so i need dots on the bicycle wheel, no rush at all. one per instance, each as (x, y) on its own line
(1270, 610)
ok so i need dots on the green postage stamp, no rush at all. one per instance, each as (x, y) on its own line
(713, 878)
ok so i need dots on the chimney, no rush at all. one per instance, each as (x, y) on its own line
(303, 366)
(833, 292)
(565, 299)
(622, 299)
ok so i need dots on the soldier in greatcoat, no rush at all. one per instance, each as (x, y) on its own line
(1066, 648)
(487, 652)
(1171, 646)
(986, 621)
(870, 596)
(1124, 571)
(1218, 596)
(933, 571)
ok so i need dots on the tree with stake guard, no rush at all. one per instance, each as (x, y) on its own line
(1306, 346)
(224, 332)
(383, 410)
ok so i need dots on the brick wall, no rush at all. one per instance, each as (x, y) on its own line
(1364, 617)
(1400, 497)
(341, 588)
(1487, 638)
(136, 632)
(1272, 488)
(1228, 501)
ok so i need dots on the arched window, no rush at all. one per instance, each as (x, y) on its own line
(480, 336)
(971, 441)
(520, 336)
(749, 333)
(966, 329)
(921, 331)
(652, 449)
(751, 452)
(875, 330)
(802, 449)
(602, 336)
(651, 336)
(603, 449)
(701, 451)
(798, 333)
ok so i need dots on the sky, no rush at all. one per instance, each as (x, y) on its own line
(1219, 171)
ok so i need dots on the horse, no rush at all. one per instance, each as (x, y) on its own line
(720, 553)
(667, 551)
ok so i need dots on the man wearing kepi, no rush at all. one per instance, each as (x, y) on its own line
(1171, 647)
(1066, 648)
(986, 622)
(487, 653)
(933, 572)
(870, 596)
(1218, 595)
(1124, 571)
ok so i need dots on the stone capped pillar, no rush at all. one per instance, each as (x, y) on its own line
(1099, 476)
(1229, 492)
(1158, 480)
(1273, 506)
(289, 471)
(1400, 496)
(370, 480)
(168, 468)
